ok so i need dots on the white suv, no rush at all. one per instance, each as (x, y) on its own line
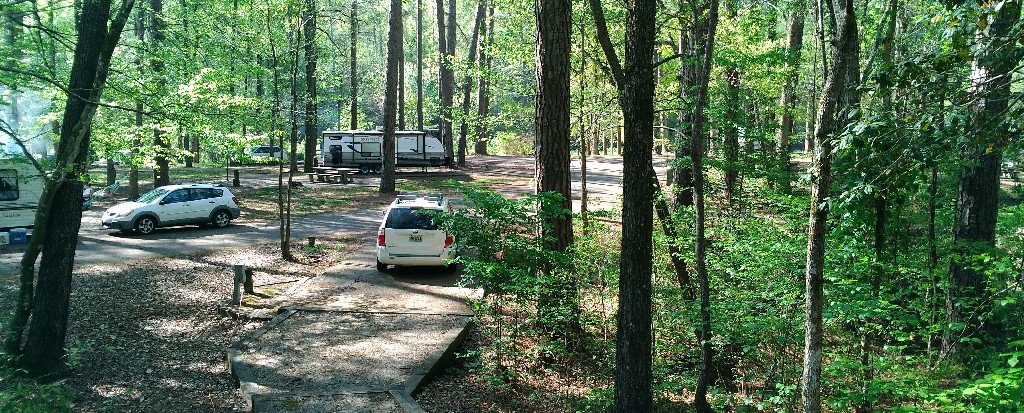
(174, 205)
(409, 236)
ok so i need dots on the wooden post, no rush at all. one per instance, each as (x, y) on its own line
(236, 293)
(234, 182)
(311, 241)
(248, 284)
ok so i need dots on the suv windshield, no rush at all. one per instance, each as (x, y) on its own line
(151, 195)
(408, 218)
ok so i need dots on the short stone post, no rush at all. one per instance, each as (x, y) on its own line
(311, 241)
(236, 293)
(234, 181)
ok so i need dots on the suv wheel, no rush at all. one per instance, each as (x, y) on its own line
(382, 267)
(145, 225)
(221, 219)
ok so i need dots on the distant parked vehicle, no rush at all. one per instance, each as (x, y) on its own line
(408, 234)
(265, 151)
(1010, 170)
(21, 186)
(364, 149)
(171, 205)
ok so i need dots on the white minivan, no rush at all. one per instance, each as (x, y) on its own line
(408, 235)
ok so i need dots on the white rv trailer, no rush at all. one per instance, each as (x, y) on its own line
(21, 186)
(363, 149)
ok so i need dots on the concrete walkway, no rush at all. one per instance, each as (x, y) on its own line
(354, 340)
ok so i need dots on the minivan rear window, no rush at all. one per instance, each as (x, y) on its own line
(408, 218)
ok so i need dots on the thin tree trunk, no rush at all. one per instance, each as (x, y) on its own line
(831, 94)
(731, 131)
(352, 73)
(284, 187)
(448, 85)
(133, 172)
(162, 173)
(467, 82)
(700, 243)
(312, 55)
(395, 51)
(482, 92)
(787, 102)
(419, 64)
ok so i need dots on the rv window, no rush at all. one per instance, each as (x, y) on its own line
(8, 184)
(370, 149)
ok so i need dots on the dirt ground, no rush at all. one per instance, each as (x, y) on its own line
(147, 336)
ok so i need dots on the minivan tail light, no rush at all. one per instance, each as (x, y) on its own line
(380, 238)
(448, 241)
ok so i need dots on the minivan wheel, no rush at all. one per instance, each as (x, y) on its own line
(221, 219)
(145, 225)
(382, 267)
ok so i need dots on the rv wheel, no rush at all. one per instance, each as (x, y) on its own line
(364, 169)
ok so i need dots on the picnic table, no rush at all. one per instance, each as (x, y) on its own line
(331, 174)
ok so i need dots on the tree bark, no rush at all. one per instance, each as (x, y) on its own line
(834, 88)
(448, 85)
(419, 64)
(787, 102)
(56, 229)
(635, 84)
(977, 200)
(162, 173)
(395, 51)
(731, 131)
(353, 74)
(483, 95)
(312, 55)
(467, 82)
(133, 172)
(700, 243)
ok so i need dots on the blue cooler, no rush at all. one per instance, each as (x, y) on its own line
(19, 236)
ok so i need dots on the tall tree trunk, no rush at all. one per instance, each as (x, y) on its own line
(419, 64)
(401, 86)
(731, 131)
(56, 230)
(483, 96)
(353, 74)
(162, 173)
(834, 88)
(700, 243)
(787, 102)
(554, 28)
(312, 55)
(467, 82)
(283, 187)
(635, 84)
(692, 41)
(448, 85)
(133, 172)
(977, 199)
(395, 51)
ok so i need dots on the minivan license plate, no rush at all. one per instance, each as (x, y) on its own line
(416, 238)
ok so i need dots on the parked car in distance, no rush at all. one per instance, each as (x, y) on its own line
(174, 205)
(408, 235)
